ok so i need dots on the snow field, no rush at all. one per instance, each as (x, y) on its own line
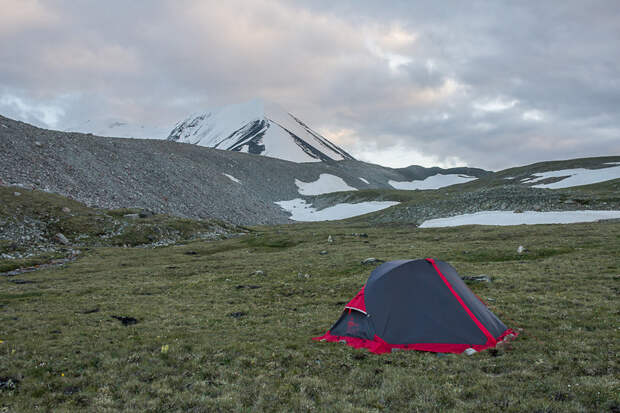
(325, 184)
(504, 218)
(302, 211)
(575, 177)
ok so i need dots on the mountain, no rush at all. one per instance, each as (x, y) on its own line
(258, 127)
(189, 180)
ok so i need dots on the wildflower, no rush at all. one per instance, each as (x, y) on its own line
(164, 348)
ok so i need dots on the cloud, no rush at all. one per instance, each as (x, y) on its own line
(476, 82)
(23, 15)
(38, 113)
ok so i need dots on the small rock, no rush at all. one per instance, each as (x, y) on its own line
(237, 314)
(17, 193)
(66, 210)
(303, 275)
(258, 273)
(518, 211)
(470, 351)
(38, 144)
(477, 278)
(323, 252)
(71, 390)
(132, 216)
(145, 213)
(8, 383)
(61, 239)
(371, 260)
(18, 281)
(330, 239)
(190, 253)
(521, 249)
(91, 311)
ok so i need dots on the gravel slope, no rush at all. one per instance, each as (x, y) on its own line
(169, 177)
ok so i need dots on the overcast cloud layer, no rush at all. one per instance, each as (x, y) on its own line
(488, 84)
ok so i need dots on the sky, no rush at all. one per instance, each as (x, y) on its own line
(490, 84)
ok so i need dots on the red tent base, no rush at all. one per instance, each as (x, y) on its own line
(379, 346)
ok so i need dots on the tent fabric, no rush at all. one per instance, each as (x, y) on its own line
(417, 305)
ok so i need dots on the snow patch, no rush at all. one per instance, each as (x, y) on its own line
(302, 211)
(574, 177)
(325, 184)
(433, 182)
(364, 181)
(503, 218)
(232, 178)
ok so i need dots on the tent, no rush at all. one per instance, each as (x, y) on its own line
(417, 305)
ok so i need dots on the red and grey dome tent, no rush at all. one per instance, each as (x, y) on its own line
(417, 305)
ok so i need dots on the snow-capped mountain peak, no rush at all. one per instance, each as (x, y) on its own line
(258, 127)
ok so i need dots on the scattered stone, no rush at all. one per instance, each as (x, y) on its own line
(38, 144)
(330, 239)
(470, 352)
(483, 278)
(69, 390)
(17, 193)
(258, 273)
(249, 287)
(371, 260)
(127, 321)
(66, 210)
(18, 281)
(361, 235)
(323, 252)
(91, 311)
(131, 216)
(8, 383)
(61, 239)
(145, 213)
(521, 249)
(191, 253)
(518, 211)
(237, 314)
(303, 275)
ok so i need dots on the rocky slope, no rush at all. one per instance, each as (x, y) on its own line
(169, 177)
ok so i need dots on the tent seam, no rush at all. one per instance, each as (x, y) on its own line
(483, 329)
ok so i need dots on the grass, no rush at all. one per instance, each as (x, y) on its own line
(205, 341)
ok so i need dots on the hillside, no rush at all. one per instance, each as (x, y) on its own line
(180, 179)
(38, 228)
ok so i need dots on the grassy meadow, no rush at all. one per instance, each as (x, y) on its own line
(197, 329)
